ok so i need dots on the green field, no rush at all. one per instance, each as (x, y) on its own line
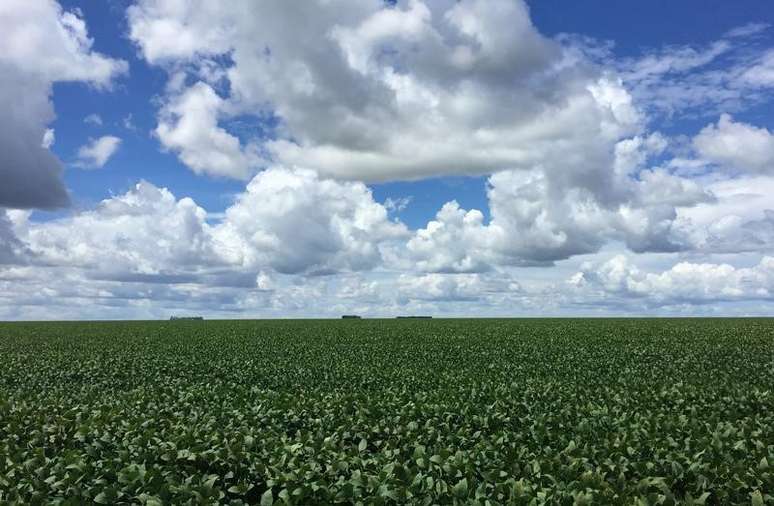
(565, 411)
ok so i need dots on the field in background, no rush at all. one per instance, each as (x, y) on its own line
(388, 411)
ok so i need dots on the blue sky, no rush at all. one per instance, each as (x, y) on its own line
(453, 157)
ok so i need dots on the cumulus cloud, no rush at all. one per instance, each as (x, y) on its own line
(734, 234)
(167, 30)
(455, 241)
(373, 93)
(147, 253)
(685, 282)
(453, 287)
(429, 293)
(189, 126)
(537, 220)
(41, 44)
(736, 145)
(739, 218)
(296, 222)
(288, 221)
(96, 153)
(368, 92)
(144, 232)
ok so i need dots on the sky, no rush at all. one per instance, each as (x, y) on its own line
(455, 158)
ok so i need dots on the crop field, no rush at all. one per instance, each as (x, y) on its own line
(566, 411)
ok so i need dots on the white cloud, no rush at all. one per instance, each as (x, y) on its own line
(144, 232)
(738, 219)
(287, 221)
(147, 245)
(748, 30)
(40, 39)
(684, 282)
(632, 154)
(455, 241)
(736, 145)
(189, 126)
(146, 253)
(93, 119)
(371, 94)
(537, 219)
(48, 138)
(40, 45)
(167, 30)
(761, 73)
(454, 287)
(676, 60)
(368, 93)
(293, 221)
(97, 152)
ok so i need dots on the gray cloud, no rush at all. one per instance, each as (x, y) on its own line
(30, 174)
(40, 45)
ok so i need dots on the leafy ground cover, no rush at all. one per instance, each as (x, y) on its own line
(388, 412)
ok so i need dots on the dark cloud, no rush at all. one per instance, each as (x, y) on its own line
(30, 175)
(40, 44)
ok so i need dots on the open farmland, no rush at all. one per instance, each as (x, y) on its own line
(388, 411)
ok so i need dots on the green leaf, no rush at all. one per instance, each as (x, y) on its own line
(210, 481)
(267, 499)
(102, 498)
(240, 488)
(362, 446)
(461, 488)
(386, 491)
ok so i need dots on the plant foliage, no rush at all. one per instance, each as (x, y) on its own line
(388, 412)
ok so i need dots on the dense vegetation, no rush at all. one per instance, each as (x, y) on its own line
(388, 411)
